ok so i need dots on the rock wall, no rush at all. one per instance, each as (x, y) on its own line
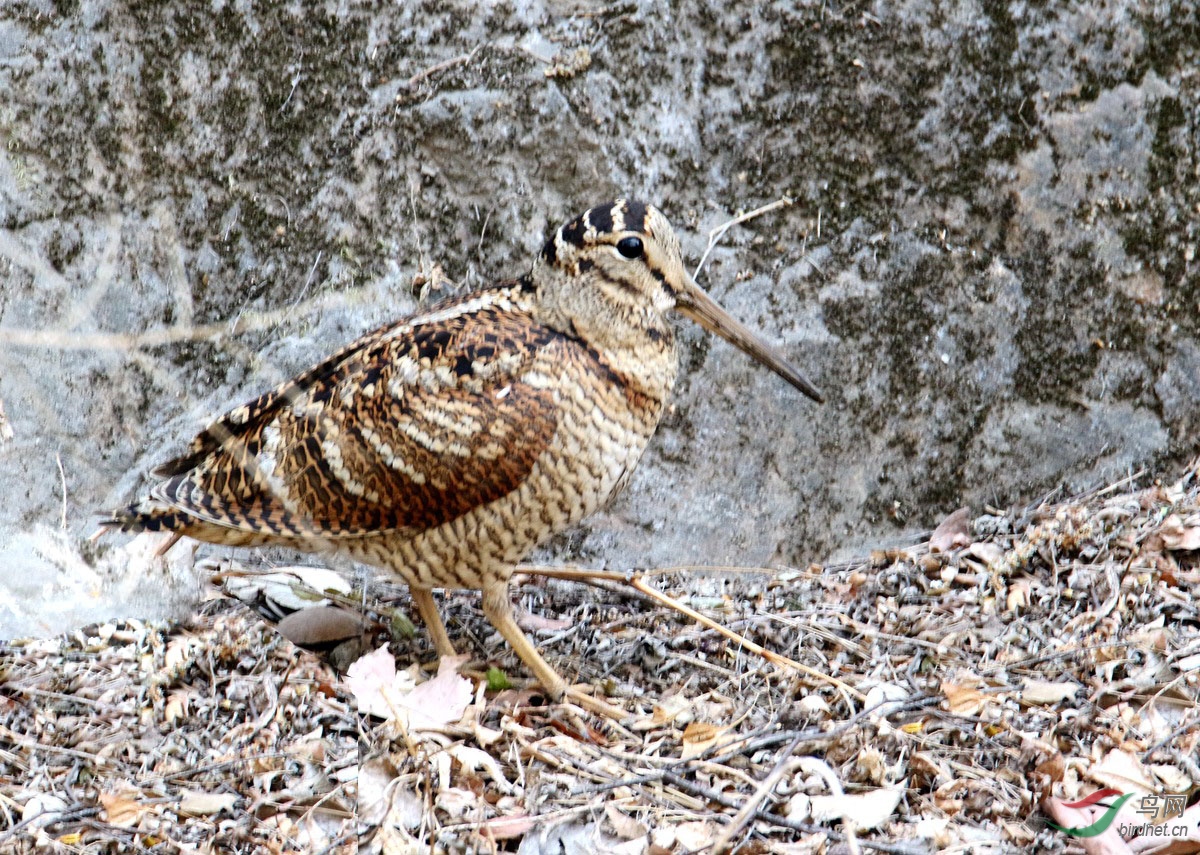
(989, 263)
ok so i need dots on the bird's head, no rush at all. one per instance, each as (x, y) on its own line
(613, 273)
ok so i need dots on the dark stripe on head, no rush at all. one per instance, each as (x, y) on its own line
(635, 215)
(601, 218)
(550, 252)
(662, 280)
(573, 231)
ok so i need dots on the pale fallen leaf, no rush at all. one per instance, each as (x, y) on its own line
(456, 801)
(884, 698)
(1172, 779)
(626, 827)
(953, 532)
(375, 777)
(1018, 594)
(288, 588)
(555, 838)
(474, 759)
(534, 623)
(1187, 843)
(692, 836)
(814, 705)
(1122, 771)
(507, 827)
(866, 810)
(371, 676)
(1179, 535)
(176, 706)
(440, 701)
(380, 691)
(1046, 692)
(205, 804)
(44, 808)
(486, 736)
(933, 829)
(180, 650)
(986, 551)
(669, 709)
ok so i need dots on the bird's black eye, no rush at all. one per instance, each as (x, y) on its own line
(631, 247)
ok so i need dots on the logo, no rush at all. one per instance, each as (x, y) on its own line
(1152, 806)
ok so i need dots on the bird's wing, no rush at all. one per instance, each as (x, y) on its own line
(407, 428)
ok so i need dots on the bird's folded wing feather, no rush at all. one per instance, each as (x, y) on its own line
(405, 429)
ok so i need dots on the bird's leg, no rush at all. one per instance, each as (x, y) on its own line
(423, 598)
(498, 610)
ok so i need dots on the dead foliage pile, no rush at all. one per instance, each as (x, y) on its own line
(961, 694)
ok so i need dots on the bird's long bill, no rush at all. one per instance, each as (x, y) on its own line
(702, 309)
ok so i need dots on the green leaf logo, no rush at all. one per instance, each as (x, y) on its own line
(1101, 825)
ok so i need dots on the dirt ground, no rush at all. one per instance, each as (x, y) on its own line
(955, 696)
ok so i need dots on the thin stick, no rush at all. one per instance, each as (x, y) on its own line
(441, 66)
(596, 705)
(771, 656)
(62, 477)
(711, 795)
(716, 234)
(724, 840)
(67, 339)
(637, 581)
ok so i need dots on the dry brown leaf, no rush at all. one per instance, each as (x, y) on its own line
(123, 808)
(965, 700)
(320, 625)
(699, 736)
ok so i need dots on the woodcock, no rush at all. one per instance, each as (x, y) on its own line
(445, 446)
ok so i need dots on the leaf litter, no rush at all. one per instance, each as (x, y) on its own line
(957, 694)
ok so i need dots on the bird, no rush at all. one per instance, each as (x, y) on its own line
(445, 446)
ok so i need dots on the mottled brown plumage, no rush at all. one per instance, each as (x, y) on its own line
(445, 446)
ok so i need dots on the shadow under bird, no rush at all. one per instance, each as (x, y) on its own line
(445, 446)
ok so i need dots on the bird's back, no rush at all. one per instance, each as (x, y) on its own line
(410, 447)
